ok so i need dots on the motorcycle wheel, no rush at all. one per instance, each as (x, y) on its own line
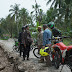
(57, 60)
(36, 54)
(16, 48)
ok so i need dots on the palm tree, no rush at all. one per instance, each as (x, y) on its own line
(15, 12)
(2, 26)
(10, 24)
(36, 10)
(7, 25)
(56, 3)
(40, 16)
(63, 11)
(24, 16)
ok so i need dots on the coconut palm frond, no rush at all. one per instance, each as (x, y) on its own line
(48, 2)
(33, 6)
(52, 3)
(11, 10)
(32, 12)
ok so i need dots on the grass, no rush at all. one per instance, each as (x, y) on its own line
(67, 41)
(4, 38)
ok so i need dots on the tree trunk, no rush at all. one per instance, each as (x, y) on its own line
(11, 34)
(17, 26)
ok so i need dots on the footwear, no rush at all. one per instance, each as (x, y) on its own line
(52, 62)
(27, 58)
(20, 55)
(23, 59)
(41, 61)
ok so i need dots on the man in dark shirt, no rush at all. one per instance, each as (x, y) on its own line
(21, 40)
(56, 32)
(28, 41)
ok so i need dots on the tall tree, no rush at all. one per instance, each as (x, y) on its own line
(63, 12)
(56, 3)
(50, 15)
(36, 10)
(40, 16)
(7, 25)
(15, 12)
(2, 26)
(24, 16)
(10, 24)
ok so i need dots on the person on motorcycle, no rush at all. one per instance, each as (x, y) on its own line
(22, 42)
(46, 42)
(56, 32)
(40, 42)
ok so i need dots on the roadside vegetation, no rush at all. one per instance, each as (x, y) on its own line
(60, 12)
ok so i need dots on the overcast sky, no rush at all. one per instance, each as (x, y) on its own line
(5, 5)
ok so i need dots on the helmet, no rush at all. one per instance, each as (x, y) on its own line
(51, 25)
(44, 52)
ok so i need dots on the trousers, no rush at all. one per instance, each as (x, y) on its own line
(27, 50)
(22, 49)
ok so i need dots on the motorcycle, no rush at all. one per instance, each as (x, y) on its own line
(61, 53)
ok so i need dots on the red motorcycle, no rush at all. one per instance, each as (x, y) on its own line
(61, 53)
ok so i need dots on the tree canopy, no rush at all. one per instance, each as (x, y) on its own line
(60, 12)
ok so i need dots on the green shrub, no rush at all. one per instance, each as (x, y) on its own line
(70, 33)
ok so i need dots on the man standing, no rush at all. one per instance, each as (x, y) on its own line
(40, 42)
(46, 42)
(28, 41)
(56, 32)
(21, 41)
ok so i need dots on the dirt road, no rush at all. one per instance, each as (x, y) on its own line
(5, 65)
(29, 66)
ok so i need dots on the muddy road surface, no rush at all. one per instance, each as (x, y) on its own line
(5, 65)
(28, 66)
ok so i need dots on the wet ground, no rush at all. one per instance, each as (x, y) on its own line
(29, 66)
(5, 65)
(40, 67)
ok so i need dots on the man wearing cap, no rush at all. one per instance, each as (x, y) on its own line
(40, 41)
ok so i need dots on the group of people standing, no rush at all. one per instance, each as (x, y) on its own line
(43, 39)
(25, 41)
